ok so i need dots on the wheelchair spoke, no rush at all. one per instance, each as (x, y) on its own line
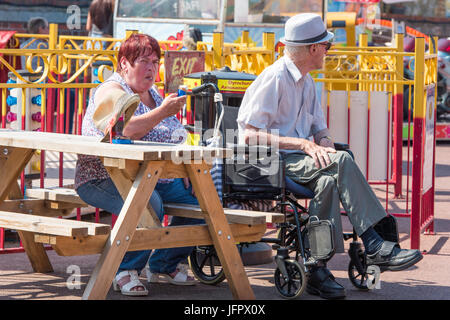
(211, 265)
(203, 262)
(208, 260)
(293, 286)
(357, 278)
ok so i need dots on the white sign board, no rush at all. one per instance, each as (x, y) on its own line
(368, 135)
(429, 140)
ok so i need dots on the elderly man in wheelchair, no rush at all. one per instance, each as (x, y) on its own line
(277, 161)
(281, 108)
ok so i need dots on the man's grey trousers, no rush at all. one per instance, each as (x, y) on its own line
(340, 182)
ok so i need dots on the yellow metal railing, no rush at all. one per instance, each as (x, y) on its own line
(241, 56)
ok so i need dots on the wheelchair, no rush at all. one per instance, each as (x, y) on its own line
(301, 240)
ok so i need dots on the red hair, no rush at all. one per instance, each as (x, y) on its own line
(137, 45)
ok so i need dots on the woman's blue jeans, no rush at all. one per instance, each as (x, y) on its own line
(103, 194)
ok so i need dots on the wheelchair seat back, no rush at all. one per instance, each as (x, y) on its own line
(254, 173)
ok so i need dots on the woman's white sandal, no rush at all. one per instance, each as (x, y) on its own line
(133, 283)
(181, 278)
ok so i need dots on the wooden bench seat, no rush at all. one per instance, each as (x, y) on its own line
(56, 194)
(51, 226)
(174, 209)
(233, 215)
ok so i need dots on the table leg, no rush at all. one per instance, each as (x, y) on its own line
(220, 231)
(12, 163)
(149, 218)
(123, 231)
(36, 253)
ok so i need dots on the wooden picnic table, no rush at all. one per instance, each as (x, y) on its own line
(135, 170)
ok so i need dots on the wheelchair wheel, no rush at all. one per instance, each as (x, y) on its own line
(296, 284)
(205, 265)
(357, 277)
(366, 280)
(357, 267)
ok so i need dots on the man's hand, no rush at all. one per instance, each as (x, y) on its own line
(319, 153)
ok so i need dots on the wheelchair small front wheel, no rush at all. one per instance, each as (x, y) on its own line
(366, 280)
(361, 279)
(357, 278)
(295, 284)
(205, 265)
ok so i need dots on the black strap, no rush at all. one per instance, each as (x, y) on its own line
(315, 39)
(322, 274)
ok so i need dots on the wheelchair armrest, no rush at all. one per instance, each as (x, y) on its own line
(247, 149)
(341, 146)
(344, 147)
(268, 150)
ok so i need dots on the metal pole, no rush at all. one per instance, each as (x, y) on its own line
(223, 16)
(398, 118)
(324, 10)
(419, 119)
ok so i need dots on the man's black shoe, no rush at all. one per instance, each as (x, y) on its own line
(391, 257)
(322, 283)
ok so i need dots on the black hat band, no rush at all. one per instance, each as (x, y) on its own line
(315, 39)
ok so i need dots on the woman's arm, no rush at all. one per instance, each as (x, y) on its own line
(89, 22)
(139, 126)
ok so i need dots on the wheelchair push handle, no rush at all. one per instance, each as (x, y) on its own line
(204, 87)
(217, 103)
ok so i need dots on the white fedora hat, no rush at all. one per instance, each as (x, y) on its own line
(304, 29)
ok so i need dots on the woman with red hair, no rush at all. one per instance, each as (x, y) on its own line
(153, 120)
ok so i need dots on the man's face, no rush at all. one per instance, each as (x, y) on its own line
(43, 30)
(318, 52)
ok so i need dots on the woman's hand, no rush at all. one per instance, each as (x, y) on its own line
(187, 184)
(318, 153)
(172, 104)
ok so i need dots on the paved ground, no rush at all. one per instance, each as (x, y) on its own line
(429, 279)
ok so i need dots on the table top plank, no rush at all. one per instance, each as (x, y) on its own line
(138, 150)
